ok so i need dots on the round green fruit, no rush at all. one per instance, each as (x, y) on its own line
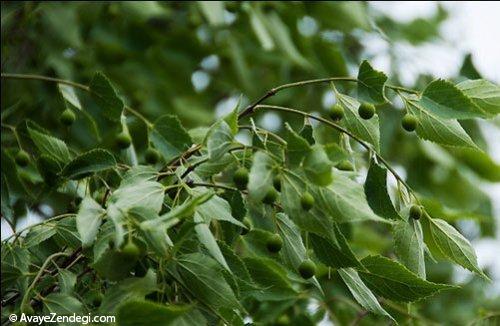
(409, 122)
(306, 201)
(152, 156)
(366, 110)
(123, 140)
(248, 225)
(130, 250)
(345, 166)
(307, 269)
(270, 197)
(240, 178)
(22, 158)
(274, 243)
(415, 212)
(283, 320)
(336, 112)
(277, 182)
(67, 117)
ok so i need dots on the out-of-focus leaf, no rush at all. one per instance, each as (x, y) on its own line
(106, 97)
(170, 137)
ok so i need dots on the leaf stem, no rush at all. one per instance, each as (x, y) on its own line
(45, 78)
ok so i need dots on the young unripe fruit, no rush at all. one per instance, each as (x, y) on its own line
(277, 182)
(123, 140)
(306, 201)
(130, 250)
(96, 298)
(152, 156)
(345, 166)
(240, 178)
(415, 212)
(67, 117)
(337, 112)
(274, 243)
(366, 110)
(270, 197)
(307, 269)
(248, 225)
(283, 320)
(409, 122)
(22, 158)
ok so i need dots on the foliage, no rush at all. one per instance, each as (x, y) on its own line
(212, 229)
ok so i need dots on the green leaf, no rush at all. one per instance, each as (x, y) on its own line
(88, 220)
(446, 241)
(156, 238)
(271, 277)
(68, 93)
(50, 146)
(446, 101)
(219, 140)
(257, 21)
(344, 200)
(333, 251)
(442, 131)
(131, 289)
(318, 167)
(261, 176)
(293, 251)
(169, 137)
(367, 130)
(105, 96)
(202, 276)
(146, 313)
(232, 118)
(235, 263)
(483, 94)
(208, 240)
(376, 192)
(217, 208)
(361, 292)
(7, 211)
(213, 11)
(38, 234)
(93, 161)
(409, 245)
(114, 265)
(297, 147)
(67, 281)
(63, 304)
(393, 281)
(371, 84)
(148, 194)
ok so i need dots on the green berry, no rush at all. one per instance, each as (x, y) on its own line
(337, 112)
(345, 166)
(409, 122)
(240, 178)
(96, 298)
(123, 140)
(67, 117)
(274, 243)
(366, 110)
(248, 225)
(283, 320)
(277, 182)
(130, 250)
(270, 197)
(307, 269)
(22, 158)
(152, 156)
(415, 212)
(307, 201)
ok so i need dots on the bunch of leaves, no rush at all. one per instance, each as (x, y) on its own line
(216, 231)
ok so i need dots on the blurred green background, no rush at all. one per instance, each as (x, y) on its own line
(195, 60)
